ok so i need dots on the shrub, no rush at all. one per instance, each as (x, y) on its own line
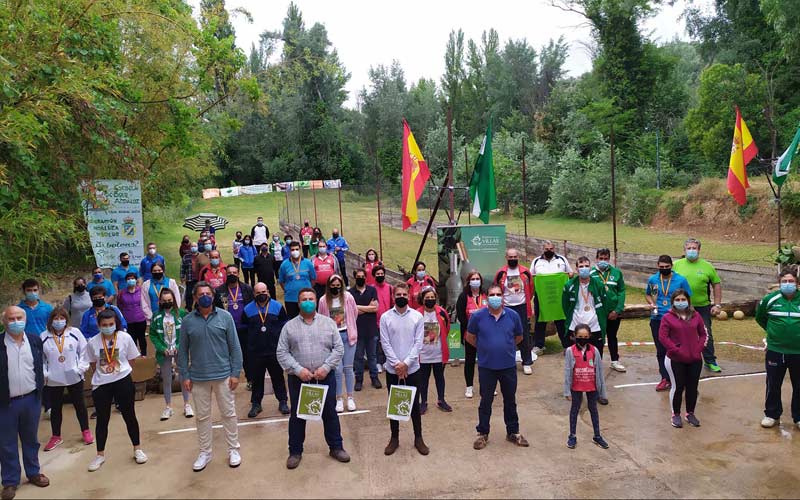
(790, 204)
(673, 206)
(583, 192)
(749, 209)
(640, 205)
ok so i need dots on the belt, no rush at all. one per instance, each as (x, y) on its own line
(23, 396)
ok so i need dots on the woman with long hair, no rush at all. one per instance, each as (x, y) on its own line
(471, 299)
(340, 306)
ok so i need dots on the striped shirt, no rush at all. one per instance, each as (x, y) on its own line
(310, 346)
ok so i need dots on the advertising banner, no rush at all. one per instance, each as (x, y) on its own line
(317, 185)
(332, 183)
(113, 211)
(210, 193)
(256, 189)
(229, 191)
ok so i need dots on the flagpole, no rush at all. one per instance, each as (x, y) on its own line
(378, 198)
(525, 196)
(469, 179)
(450, 161)
(430, 221)
(613, 194)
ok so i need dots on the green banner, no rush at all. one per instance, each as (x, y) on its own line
(548, 289)
(311, 401)
(401, 399)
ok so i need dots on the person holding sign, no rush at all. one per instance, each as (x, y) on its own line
(306, 232)
(516, 282)
(660, 288)
(471, 299)
(310, 348)
(495, 332)
(340, 306)
(402, 330)
(110, 355)
(550, 271)
(615, 301)
(434, 353)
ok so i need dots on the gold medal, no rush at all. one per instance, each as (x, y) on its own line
(61, 359)
(110, 355)
(234, 296)
(666, 303)
(587, 308)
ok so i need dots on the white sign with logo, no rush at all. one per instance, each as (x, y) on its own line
(113, 211)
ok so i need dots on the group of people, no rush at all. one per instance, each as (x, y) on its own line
(324, 332)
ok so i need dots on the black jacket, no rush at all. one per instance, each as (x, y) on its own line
(263, 267)
(264, 343)
(38, 367)
(221, 295)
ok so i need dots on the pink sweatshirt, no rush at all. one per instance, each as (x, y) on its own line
(683, 339)
(350, 315)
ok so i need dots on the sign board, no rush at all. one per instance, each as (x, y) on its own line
(113, 211)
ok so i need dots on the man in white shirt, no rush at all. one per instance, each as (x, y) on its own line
(548, 263)
(259, 233)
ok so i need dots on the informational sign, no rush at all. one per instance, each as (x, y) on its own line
(256, 189)
(113, 211)
(229, 191)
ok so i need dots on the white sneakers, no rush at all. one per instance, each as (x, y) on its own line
(538, 351)
(468, 393)
(351, 404)
(617, 366)
(140, 457)
(187, 411)
(339, 405)
(234, 459)
(527, 370)
(767, 422)
(98, 462)
(166, 413)
(202, 461)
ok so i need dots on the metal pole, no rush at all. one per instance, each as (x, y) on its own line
(341, 229)
(779, 219)
(286, 191)
(378, 198)
(658, 164)
(613, 194)
(299, 209)
(314, 194)
(525, 196)
(450, 161)
(430, 223)
(469, 180)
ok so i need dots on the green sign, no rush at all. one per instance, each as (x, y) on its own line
(549, 289)
(401, 400)
(312, 401)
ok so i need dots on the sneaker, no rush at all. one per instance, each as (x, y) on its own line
(87, 437)
(468, 392)
(603, 401)
(54, 441)
(47, 414)
(293, 461)
(202, 461)
(518, 439)
(481, 441)
(254, 411)
(380, 368)
(692, 420)
(139, 456)
(339, 405)
(713, 367)
(617, 366)
(98, 462)
(283, 407)
(538, 351)
(249, 386)
(423, 408)
(599, 441)
(442, 405)
(166, 414)
(234, 459)
(188, 412)
(351, 404)
(768, 422)
(797, 424)
(527, 370)
(572, 442)
(664, 385)
(376, 383)
(677, 422)
(359, 385)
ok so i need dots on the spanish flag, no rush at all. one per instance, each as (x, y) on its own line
(415, 175)
(743, 150)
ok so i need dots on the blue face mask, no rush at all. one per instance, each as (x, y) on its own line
(584, 272)
(194, 249)
(602, 265)
(681, 305)
(208, 247)
(420, 275)
(32, 296)
(495, 302)
(16, 327)
(788, 288)
(692, 254)
(131, 282)
(98, 276)
(475, 284)
(205, 300)
(108, 330)
(308, 306)
(214, 262)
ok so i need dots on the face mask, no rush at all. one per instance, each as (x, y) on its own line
(512, 263)
(214, 262)
(401, 301)
(232, 280)
(420, 275)
(308, 306)
(430, 303)
(295, 254)
(602, 265)
(125, 263)
(361, 281)
(380, 279)
(548, 254)
(97, 276)
(185, 242)
(495, 302)
(194, 249)
(288, 240)
(247, 242)
(99, 301)
(306, 224)
(166, 305)
(335, 235)
(680, 305)
(582, 342)
(131, 283)
(151, 251)
(264, 250)
(16, 327)
(665, 272)
(208, 248)
(259, 223)
(584, 272)
(238, 237)
(80, 288)
(59, 324)
(158, 276)
(335, 290)
(32, 296)
(205, 300)
(275, 239)
(474, 284)
(692, 254)
(262, 297)
(323, 250)
(788, 288)
(108, 330)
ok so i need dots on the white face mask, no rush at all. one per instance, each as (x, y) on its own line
(295, 254)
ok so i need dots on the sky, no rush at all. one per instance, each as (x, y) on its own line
(415, 32)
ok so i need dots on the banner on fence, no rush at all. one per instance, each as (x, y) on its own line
(317, 185)
(284, 186)
(256, 189)
(302, 184)
(332, 184)
(229, 191)
(113, 211)
(210, 193)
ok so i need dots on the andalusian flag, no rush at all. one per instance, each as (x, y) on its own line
(785, 161)
(743, 150)
(415, 175)
(481, 187)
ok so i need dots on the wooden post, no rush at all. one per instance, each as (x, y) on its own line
(450, 163)
(524, 197)
(341, 230)
(314, 194)
(613, 194)
(299, 209)
(378, 200)
(469, 179)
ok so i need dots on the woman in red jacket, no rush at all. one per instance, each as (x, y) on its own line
(683, 335)
(434, 353)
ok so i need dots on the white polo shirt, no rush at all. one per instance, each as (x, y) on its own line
(558, 264)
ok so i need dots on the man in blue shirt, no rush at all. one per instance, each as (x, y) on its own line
(122, 270)
(495, 332)
(151, 258)
(99, 280)
(37, 311)
(660, 288)
(295, 274)
(337, 246)
(89, 326)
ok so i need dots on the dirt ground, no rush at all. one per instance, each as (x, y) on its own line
(729, 456)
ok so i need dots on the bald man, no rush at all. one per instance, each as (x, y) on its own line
(264, 318)
(21, 384)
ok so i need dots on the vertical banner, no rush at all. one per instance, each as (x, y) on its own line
(113, 211)
(549, 289)
(461, 250)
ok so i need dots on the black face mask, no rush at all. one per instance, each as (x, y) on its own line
(306, 224)
(361, 281)
(582, 342)
(512, 263)
(166, 305)
(232, 280)
(548, 254)
(158, 276)
(80, 289)
(99, 301)
(430, 303)
(262, 297)
(401, 301)
(335, 290)
(665, 272)
(335, 235)
(125, 263)
(380, 279)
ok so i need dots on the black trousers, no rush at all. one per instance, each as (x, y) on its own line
(122, 392)
(425, 377)
(55, 397)
(777, 364)
(189, 298)
(137, 331)
(412, 379)
(612, 328)
(249, 276)
(241, 332)
(470, 355)
(684, 378)
(259, 366)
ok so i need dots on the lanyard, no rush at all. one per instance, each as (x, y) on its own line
(110, 356)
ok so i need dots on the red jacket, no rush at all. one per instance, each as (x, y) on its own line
(527, 282)
(414, 287)
(217, 279)
(444, 329)
(684, 340)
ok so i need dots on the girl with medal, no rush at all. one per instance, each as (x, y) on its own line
(63, 347)
(471, 299)
(153, 287)
(165, 330)
(111, 354)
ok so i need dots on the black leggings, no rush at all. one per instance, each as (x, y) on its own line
(470, 355)
(55, 398)
(425, 377)
(591, 402)
(137, 331)
(249, 276)
(684, 377)
(122, 392)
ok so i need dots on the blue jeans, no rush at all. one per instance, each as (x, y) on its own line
(368, 344)
(19, 419)
(330, 420)
(346, 367)
(488, 379)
